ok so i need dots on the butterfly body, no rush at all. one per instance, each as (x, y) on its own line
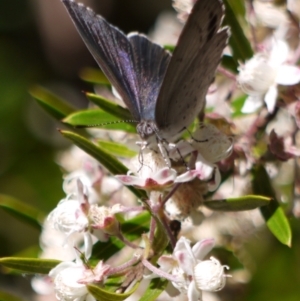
(164, 93)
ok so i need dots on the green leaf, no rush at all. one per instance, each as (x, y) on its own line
(54, 105)
(110, 107)
(103, 295)
(98, 118)
(117, 149)
(238, 6)
(156, 287)
(239, 43)
(22, 211)
(170, 48)
(247, 202)
(29, 265)
(229, 63)
(237, 106)
(107, 160)
(161, 239)
(132, 229)
(94, 76)
(8, 297)
(273, 214)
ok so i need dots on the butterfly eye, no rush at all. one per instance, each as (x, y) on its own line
(145, 129)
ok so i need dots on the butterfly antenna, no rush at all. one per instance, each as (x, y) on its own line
(107, 123)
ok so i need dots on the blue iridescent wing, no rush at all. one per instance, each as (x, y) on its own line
(128, 62)
(191, 69)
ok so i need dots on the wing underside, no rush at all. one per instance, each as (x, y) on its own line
(134, 65)
(192, 68)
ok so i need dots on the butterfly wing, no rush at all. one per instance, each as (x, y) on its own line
(191, 69)
(121, 59)
(150, 65)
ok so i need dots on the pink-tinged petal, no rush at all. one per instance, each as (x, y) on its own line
(130, 180)
(184, 255)
(186, 177)
(204, 170)
(165, 175)
(193, 293)
(166, 263)
(252, 103)
(288, 75)
(270, 98)
(203, 247)
(183, 245)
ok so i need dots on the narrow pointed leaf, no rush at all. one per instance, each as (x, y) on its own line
(238, 6)
(94, 76)
(156, 287)
(104, 295)
(53, 104)
(273, 214)
(117, 149)
(4, 296)
(98, 118)
(22, 211)
(247, 202)
(29, 265)
(110, 107)
(107, 160)
(238, 42)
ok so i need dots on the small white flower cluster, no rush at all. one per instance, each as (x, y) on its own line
(77, 222)
(188, 272)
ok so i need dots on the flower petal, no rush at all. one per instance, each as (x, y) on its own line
(193, 293)
(166, 263)
(270, 98)
(183, 253)
(165, 175)
(288, 75)
(252, 103)
(203, 247)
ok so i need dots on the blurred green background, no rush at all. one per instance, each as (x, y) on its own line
(39, 45)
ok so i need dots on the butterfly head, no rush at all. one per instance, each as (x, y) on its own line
(147, 129)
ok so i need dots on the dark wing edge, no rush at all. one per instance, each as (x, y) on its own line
(195, 59)
(111, 49)
(134, 65)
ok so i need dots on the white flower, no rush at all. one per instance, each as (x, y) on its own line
(192, 274)
(68, 217)
(159, 180)
(270, 15)
(103, 218)
(70, 279)
(260, 76)
(66, 278)
(71, 216)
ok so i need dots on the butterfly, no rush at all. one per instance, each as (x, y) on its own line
(164, 93)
